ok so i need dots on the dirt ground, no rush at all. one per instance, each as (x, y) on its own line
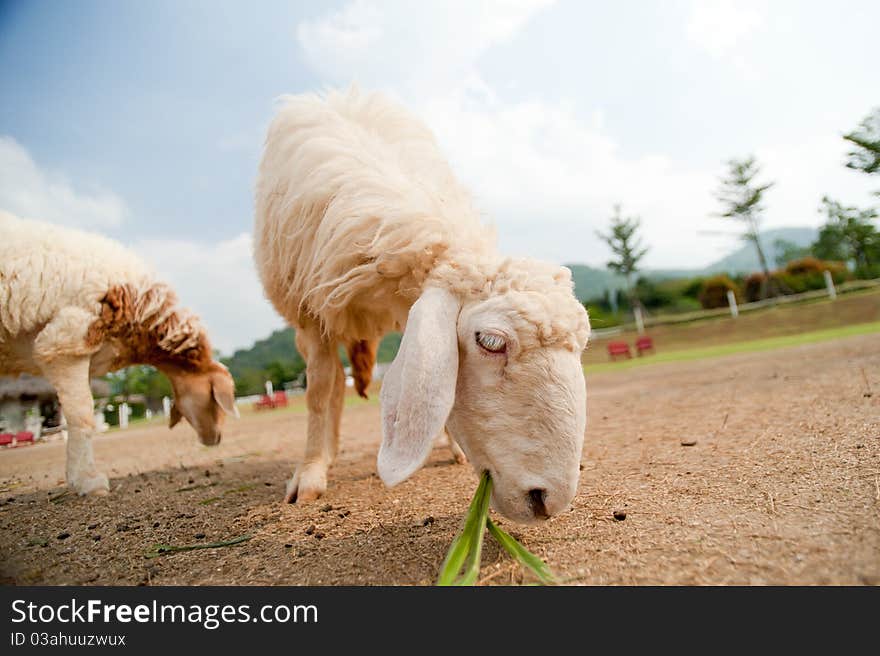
(781, 487)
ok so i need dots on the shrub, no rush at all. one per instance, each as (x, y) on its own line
(693, 288)
(805, 265)
(654, 295)
(136, 410)
(867, 271)
(797, 277)
(601, 317)
(714, 292)
(808, 266)
(752, 287)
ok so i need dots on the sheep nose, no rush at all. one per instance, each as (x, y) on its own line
(537, 497)
(211, 439)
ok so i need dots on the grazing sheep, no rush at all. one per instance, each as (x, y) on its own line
(74, 306)
(361, 228)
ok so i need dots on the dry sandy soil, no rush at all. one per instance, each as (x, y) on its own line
(781, 487)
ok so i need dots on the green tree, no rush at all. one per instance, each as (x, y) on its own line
(280, 372)
(741, 198)
(249, 381)
(865, 140)
(139, 379)
(786, 251)
(627, 249)
(848, 235)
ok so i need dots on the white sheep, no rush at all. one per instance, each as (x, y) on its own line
(74, 306)
(361, 228)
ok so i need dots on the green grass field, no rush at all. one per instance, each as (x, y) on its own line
(748, 346)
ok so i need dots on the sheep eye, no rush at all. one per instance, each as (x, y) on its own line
(491, 343)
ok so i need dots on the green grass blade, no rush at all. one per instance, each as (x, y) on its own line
(478, 529)
(455, 558)
(525, 557)
(463, 544)
(163, 549)
(466, 550)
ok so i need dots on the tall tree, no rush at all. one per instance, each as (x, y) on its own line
(627, 249)
(848, 235)
(741, 198)
(865, 139)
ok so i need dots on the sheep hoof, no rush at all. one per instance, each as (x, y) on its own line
(96, 485)
(460, 458)
(307, 484)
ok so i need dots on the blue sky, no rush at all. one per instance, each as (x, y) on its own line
(144, 121)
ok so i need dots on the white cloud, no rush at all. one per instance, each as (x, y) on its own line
(219, 283)
(550, 179)
(410, 47)
(719, 26)
(805, 171)
(29, 191)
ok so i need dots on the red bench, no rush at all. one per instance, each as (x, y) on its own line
(644, 344)
(618, 348)
(265, 403)
(24, 437)
(6, 439)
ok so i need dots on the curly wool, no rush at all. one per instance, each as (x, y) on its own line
(357, 210)
(536, 297)
(47, 271)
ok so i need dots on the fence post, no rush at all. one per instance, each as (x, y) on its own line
(166, 406)
(123, 415)
(829, 284)
(640, 322)
(731, 301)
(269, 387)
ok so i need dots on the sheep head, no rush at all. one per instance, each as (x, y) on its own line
(501, 370)
(203, 397)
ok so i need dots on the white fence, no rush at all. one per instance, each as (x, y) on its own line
(735, 310)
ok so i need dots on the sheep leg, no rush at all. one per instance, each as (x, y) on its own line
(337, 402)
(309, 481)
(457, 453)
(447, 440)
(70, 378)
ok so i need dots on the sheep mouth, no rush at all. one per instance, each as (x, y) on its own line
(210, 440)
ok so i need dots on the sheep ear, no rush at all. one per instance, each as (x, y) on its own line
(174, 416)
(418, 390)
(224, 395)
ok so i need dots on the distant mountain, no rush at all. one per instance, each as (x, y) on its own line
(745, 260)
(276, 357)
(592, 283)
(277, 347)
